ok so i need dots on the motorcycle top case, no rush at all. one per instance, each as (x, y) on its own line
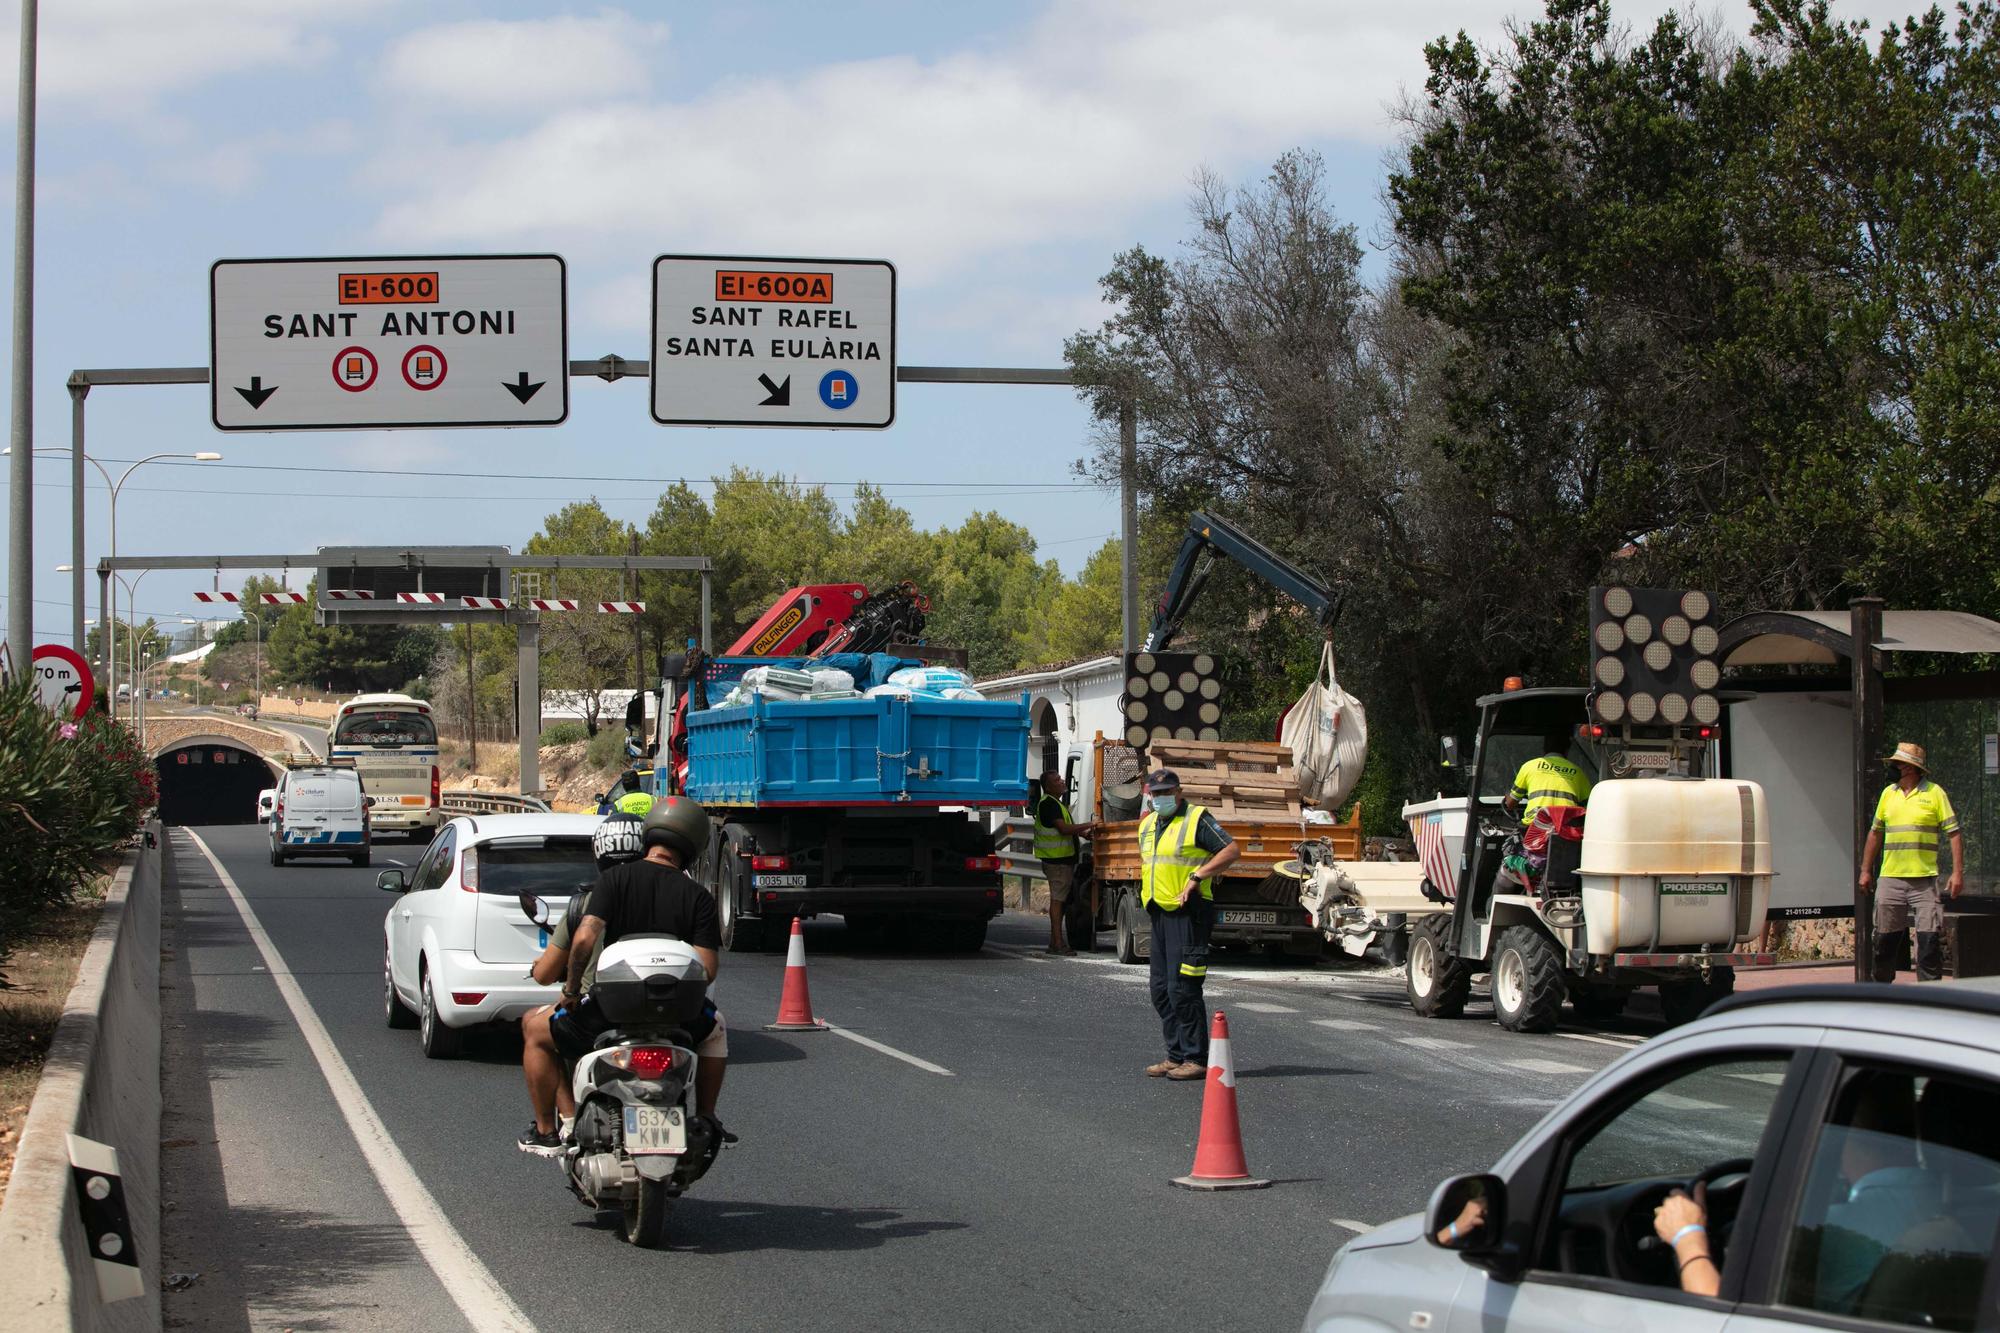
(650, 981)
(882, 751)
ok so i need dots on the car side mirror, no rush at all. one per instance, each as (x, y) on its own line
(673, 666)
(1468, 1215)
(392, 881)
(534, 908)
(635, 713)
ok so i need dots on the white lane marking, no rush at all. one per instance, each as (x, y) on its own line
(1346, 1025)
(1673, 1101)
(1262, 1007)
(904, 1056)
(1547, 1067)
(466, 1280)
(1358, 1228)
(1770, 1076)
(1434, 1043)
(1601, 1041)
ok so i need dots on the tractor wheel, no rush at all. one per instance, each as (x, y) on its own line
(1527, 981)
(1437, 980)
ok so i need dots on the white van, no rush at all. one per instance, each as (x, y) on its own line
(320, 811)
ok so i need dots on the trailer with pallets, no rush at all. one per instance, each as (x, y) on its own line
(1252, 789)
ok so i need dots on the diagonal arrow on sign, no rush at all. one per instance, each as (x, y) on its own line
(521, 389)
(780, 394)
(256, 393)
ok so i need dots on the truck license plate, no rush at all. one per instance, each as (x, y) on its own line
(652, 1130)
(1693, 888)
(1236, 916)
(778, 881)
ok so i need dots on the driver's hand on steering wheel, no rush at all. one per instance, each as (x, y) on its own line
(1682, 1222)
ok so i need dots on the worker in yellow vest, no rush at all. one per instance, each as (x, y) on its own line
(1056, 832)
(1912, 814)
(1181, 849)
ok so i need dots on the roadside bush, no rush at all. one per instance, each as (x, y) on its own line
(607, 750)
(564, 733)
(68, 795)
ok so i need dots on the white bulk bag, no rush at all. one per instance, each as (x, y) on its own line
(1327, 732)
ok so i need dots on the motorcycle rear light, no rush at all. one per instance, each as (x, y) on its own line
(982, 863)
(468, 874)
(467, 997)
(770, 863)
(645, 1061)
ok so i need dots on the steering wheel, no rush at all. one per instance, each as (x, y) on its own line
(1644, 1257)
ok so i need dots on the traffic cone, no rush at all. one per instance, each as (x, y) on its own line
(795, 1005)
(1218, 1153)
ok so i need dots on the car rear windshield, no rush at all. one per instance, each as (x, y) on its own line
(385, 728)
(554, 868)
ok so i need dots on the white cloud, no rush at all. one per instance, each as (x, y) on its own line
(532, 65)
(115, 58)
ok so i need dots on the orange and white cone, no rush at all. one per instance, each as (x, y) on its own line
(1218, 1153)
(795, 1005)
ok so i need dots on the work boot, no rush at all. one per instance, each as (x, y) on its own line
(1163, 1068)
(1187, 1069)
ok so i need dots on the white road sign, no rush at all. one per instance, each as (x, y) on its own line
(773, 342)
(347, 344)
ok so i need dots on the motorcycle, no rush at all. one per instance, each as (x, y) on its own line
(636, 1144)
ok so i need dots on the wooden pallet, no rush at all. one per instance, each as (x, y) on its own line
(1245, 779)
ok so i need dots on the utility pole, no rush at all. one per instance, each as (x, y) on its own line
(1128, 516)
(471, 701)
(21, 464)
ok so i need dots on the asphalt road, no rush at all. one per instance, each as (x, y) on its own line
(1028, 1188)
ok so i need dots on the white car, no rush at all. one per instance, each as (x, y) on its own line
(456, 946)
(267, 804)
(1845, 1139)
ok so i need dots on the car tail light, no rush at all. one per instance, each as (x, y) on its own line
(770, 863)
(467, 997)
(434, 786)
(468, 873)
(770, 897)
(982, 863)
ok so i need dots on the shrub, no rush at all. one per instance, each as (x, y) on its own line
(607, 750)
(68, 795)
(564, 733)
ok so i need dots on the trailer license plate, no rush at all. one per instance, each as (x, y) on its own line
(778, 881)
(650, 1130)
(1239, 917)
(1693, 888)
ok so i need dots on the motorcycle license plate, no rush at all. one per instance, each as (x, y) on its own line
(778, 881)
(651, 1130)
(1240, 917)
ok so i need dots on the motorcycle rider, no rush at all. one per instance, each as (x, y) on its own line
(653, 894)
(615, 841)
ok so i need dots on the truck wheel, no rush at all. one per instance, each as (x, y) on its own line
(738, 934)
(1078, 928)
(1437, 980)
(1527, 981)
(963, 936)
(1684, 1001)
(1128, 931)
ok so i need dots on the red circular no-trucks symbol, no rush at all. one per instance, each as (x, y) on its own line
(354, 369)
(423, 367)
(63, 680)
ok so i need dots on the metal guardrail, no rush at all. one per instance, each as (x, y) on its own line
(1014, 844)
(491, 803)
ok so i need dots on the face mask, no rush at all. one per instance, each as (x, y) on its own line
(1165, 804)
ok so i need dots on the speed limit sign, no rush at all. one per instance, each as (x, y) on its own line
(63, 680)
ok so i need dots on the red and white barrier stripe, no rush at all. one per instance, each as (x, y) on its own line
(421, 598)
(230, 597)
(484, 603)
(553, 603)
(348, 595)
(282, 598)
(621, 608)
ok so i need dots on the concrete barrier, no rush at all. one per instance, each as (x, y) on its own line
(102, 1082)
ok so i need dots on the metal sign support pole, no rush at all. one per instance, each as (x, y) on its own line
(21, 469)
(76, 393)
(1128, 519)
(528, 637)
(1864, 627)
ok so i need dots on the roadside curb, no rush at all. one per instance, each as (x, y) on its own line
(101, 1081)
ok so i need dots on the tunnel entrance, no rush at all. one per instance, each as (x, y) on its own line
(211, 781)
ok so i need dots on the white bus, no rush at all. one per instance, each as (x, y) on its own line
(392, 742)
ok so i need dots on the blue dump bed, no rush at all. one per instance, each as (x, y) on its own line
(837, 752)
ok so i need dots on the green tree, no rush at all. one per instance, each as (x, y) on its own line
(342, 658)
(1085, 616)
(585, 653)
(989, 595)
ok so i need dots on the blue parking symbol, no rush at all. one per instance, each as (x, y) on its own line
(837, 389)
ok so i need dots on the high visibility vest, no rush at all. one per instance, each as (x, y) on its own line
(633, 803)
(1911, 823)
(1050, 842)
(1168, 858)
(1549, 780)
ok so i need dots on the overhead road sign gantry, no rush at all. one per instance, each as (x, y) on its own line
(387, 342)
(773, 342)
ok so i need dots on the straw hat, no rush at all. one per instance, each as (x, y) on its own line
(1911, 753)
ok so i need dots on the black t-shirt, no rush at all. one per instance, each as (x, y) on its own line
(644, 896)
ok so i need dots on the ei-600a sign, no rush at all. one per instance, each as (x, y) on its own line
(419, 341)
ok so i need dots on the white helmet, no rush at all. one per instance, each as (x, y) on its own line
(619, 838)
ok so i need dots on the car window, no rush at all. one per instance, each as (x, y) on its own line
(1709, 1114)
(436, 865)
(548, 868)
(1901, 1206)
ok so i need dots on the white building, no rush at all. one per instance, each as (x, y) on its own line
(1068, 705)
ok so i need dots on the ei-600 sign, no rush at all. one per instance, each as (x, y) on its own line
(350, 344)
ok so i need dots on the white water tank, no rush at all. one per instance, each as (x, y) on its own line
(1661, 856)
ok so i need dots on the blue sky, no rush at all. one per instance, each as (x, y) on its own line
(998, 154)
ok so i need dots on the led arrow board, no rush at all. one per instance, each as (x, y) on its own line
(773, 342)
(351, 344)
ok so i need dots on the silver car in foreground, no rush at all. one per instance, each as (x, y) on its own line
(1845, 1139)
